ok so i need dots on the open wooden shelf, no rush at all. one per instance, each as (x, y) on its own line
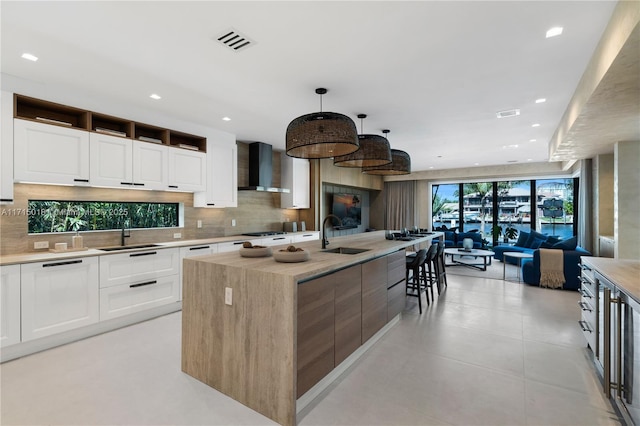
(66, 116)
(50, 113)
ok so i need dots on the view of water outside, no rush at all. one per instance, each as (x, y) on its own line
(554, 204)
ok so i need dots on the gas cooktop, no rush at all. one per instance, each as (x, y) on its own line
(264, 233)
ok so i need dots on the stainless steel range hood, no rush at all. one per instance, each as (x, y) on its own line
(261, 169)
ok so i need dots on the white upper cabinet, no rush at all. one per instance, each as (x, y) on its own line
(222, 177)
(150, 166)
(48, 153)
(187, 170)
(111, 161)
(6, 147)
(295, 177)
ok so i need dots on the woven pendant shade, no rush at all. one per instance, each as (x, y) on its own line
(321, 134)
(374, 151)
(400, 165)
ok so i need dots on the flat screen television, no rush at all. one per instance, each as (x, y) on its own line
(347, 208)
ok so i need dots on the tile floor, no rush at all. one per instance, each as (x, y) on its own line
(488, 352)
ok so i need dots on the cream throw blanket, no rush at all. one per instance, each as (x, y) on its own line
(551, 268)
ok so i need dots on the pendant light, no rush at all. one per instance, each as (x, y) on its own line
(374, 151)
(321, 134)
(400, 164)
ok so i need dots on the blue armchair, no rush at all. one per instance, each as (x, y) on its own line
(475, 236)
(531, 268)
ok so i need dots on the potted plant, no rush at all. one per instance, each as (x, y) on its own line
(510, 234)
(496, 231)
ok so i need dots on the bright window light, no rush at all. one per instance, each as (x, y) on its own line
(555, 31)
(29, 57)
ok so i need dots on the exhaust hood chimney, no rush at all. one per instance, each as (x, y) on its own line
(261, 169)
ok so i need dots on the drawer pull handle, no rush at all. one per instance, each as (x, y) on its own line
(6, 200)
(143, 284)
(238, 242)
(211, 204)
(585, 306)
(138, 184)
(199, 248)
(81, 180)
(278, 238)
(585, 294)
(149, 253)
(584, 267)
(70, 262)
(173, 186)
(126, 183)
(307, 235)
(584, 326)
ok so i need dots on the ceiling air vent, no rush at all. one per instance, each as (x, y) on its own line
(234, 40)
(508, 113)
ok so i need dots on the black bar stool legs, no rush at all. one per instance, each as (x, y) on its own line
(416, 283)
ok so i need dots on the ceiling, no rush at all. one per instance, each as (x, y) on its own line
(434, 73)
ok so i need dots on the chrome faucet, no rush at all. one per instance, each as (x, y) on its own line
(325, 241)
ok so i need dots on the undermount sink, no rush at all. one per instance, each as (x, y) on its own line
(346, 250)
(139, 246)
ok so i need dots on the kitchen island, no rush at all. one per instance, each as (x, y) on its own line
(264, 332)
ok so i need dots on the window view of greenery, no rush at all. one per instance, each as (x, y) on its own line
(68, 216)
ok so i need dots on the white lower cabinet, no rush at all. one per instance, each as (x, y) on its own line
(58, 296)
(134, 282)
(275, 240)
(231, 245)
(306, 236)
(141, 266)
(125, 299)
(9, 305)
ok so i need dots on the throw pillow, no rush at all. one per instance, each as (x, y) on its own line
(537, 242)
(532, 236)
(569, 244)
(546, 244)
(552, 240)
(522, 239)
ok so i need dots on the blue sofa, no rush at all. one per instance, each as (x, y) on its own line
(453, 239)
(531, 268)
(527, 242)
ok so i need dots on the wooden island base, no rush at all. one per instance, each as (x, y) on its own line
(288, 325)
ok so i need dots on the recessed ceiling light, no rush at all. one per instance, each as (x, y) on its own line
(535, 125)
(555, 31)
(29, 57)
(431, 167)
(541, 100)
(532, 140)
(226, 119)
(529, 159)
(514, 146)
(476, 164)
(154, 96)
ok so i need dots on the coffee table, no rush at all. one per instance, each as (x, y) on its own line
(475, 253)
(514, 255)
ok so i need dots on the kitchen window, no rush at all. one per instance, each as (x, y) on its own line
(47, 216)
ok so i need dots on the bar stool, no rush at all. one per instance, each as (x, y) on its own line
(441, 272)
(416, 283)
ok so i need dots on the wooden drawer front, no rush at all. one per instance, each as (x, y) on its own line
(131, 268)
(117, 301)
(348, 312)
(396, 299)
(316, 335)
(396, 268)
(374, 297)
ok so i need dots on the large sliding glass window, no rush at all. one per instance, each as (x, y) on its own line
(545, 205)
(555, 207)
(445, 201)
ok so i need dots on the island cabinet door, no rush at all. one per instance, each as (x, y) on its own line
(348, 306)
(374, 297)
(396, 288)
(315, 352)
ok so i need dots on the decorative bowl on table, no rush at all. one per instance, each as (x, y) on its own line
(291, 255)
(249, 250)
